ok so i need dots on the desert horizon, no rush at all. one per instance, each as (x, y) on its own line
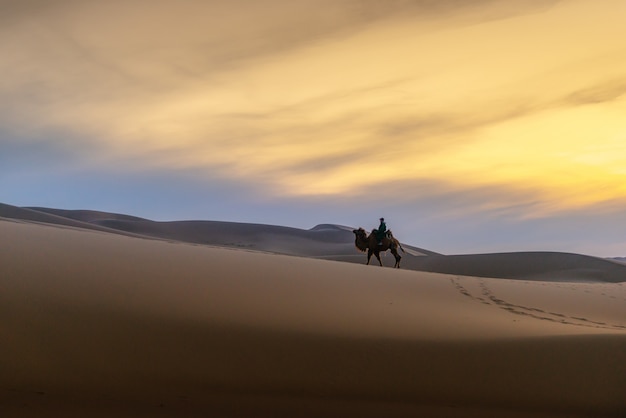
(118, 322)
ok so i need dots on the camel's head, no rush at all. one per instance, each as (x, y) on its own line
(361, 239)
(360, 233)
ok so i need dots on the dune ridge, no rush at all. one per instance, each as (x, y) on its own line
(32, 215)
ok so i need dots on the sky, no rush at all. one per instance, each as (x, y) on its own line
(471, 126)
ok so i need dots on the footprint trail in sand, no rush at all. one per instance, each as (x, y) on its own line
(483, 291)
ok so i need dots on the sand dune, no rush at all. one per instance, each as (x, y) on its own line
(91, 216)
(319, 241)
(333, 242)
(550, 266)
(32, 215)
(108, 325)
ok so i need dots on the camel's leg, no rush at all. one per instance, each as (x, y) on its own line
(369, 255)
(397, 256)
(377, 254)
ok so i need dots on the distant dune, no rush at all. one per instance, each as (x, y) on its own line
(618, 259)
(123, 324)
(49, 217)
(548, 266)
(333, 242)
(319, 241)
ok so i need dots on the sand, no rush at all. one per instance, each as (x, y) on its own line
(102, 324)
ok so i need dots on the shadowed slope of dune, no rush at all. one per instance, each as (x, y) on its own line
(92, 216)
(547, 266)
(14, 212)
(50, 217)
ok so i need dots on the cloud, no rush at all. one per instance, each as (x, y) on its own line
(13, 13)
(310, 98)
(603, 92)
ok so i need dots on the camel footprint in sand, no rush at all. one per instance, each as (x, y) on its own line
(479, 291)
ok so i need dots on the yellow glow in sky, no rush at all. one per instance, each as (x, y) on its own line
(318, 98)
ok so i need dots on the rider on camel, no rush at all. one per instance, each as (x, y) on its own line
(381, 232)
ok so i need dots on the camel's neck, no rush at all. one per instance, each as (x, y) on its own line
(361, 243)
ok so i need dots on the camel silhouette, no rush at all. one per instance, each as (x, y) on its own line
(369, 243)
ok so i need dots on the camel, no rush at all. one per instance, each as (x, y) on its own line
(369, 242)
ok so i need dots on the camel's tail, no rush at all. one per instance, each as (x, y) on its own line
(395, 241)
